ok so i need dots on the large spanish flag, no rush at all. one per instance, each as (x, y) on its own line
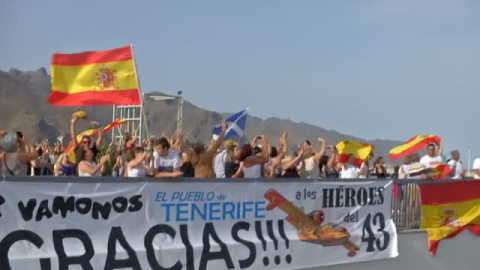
(413, 145)
(448, 209)
(95, 78)
(359, 150)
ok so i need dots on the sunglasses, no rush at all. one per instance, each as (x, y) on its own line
(87, 141)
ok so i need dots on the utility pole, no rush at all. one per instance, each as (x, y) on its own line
(180, 111)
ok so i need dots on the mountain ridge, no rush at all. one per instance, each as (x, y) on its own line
(25, 94)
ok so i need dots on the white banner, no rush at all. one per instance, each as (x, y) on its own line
(193, 224)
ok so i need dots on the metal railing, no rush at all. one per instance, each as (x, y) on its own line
(406, 205)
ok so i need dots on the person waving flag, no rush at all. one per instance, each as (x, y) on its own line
(413, 145)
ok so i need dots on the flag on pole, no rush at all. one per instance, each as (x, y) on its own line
(360, 151)
(95, 78)
(236, 126)
(448, 209)
(413, 145)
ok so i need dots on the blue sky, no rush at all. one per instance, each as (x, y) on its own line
(370, 68)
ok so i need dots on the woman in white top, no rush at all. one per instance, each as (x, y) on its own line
(251, 166)
(137, 167)
(312, 159)
(349, 170)
(273, 168)
(87, 167)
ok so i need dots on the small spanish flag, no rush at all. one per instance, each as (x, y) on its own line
(448, 209)
(413, 145)
(95, 78)
(441, 171)
(359, 150)
(113, 125)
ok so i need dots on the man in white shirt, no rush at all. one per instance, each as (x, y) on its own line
(456, 165)
(432, 158)
(167, 161)
(476, 168)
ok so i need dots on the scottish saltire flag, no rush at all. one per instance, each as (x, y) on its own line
(236, 126)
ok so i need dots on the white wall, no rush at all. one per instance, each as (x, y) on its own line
(460, 253)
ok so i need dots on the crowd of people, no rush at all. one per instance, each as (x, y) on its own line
(171, 157)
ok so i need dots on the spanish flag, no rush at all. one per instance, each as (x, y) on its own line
(95, 78)
(441, 171)
(113, 125)
(359, 150)
(448, 209)
(413, 145)
(90, 132)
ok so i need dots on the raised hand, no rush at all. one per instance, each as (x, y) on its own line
(95, 123)
(104, 159)
(179, 135)
(300, 151)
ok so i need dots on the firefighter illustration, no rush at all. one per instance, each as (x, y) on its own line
(311, 227)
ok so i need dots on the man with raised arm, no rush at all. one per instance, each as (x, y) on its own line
(432, 158)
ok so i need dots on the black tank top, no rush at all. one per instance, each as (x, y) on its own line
(230, 169)
(187, 169)
(291, 173)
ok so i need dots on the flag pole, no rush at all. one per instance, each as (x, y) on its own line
(145, 122)
(469, 159)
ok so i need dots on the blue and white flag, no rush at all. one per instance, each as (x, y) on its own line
(236, 126)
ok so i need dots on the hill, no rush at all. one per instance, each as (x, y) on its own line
(24, 107)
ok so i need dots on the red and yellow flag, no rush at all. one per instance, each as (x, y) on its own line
(413, 145)
(359, 150)
(95, 78)
(441, 171)
(113, 125)
(90, 132)
(448, 209)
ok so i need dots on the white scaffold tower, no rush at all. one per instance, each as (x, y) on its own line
(136, 119)
(135, 122)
